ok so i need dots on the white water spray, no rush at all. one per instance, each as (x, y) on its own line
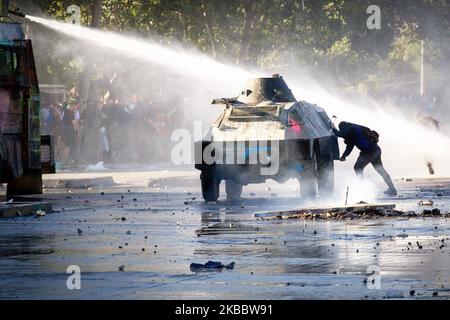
(190, 64)
(404, 143)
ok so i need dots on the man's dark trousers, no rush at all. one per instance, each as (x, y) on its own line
(373, 157)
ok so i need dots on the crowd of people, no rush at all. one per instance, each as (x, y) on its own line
(116, 128)
(111, 129)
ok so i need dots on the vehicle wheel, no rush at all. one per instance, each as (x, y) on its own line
(325, 178)
(210, 186)
(29, 183)
(233, 190)
(308, 180)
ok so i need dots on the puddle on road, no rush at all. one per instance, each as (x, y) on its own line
(274, 259)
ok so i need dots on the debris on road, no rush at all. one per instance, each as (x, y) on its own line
(360, 210)
(426, 202)
(210, 266)
(333, 212)
(40, 213)
(428, 213)
(12, 209)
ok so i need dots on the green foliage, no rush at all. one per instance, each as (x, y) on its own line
(329, 35)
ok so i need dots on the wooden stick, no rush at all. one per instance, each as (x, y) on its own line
(346, 196)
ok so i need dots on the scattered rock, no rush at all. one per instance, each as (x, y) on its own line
(435, 212)
(426, 202)
(411, 214)
(40, 213)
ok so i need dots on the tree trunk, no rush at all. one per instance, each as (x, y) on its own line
(96, 13)
(87, 92)
(248, 30)
(85, 77)
(208, 24)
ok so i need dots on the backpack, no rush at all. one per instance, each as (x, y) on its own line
(371, 135)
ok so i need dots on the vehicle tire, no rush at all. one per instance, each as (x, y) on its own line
(308, 180)
(325, 177)
(29, 183)
(233, 190)
(210, 186)
(307, 186)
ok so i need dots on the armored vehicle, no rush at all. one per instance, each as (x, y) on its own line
(265, 133)
(22, 155)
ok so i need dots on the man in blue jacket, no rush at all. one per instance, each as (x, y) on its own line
(367, 142)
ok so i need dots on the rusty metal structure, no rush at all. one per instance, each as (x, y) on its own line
(20, 140)
(265, 127)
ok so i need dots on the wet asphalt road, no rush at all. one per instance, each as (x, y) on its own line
(154, 235)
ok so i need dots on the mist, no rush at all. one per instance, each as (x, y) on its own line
(192, 77)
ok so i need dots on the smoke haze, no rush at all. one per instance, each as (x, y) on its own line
(197, 78)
